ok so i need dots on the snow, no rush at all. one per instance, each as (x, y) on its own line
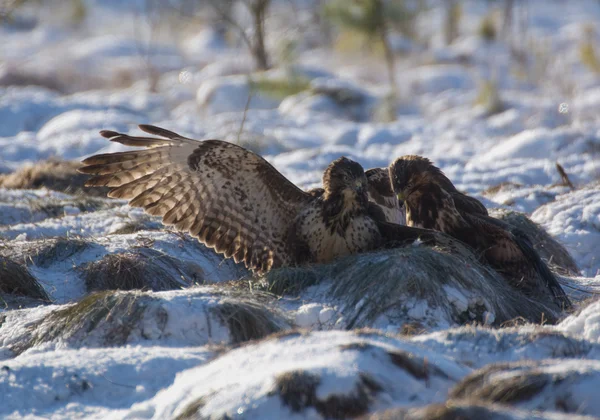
(574, 218)
(242, 382)
(167, 352)
(585, 324)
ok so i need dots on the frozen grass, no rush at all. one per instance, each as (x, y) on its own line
(143, 269)
(116, 318)
(15, 279)
(404, 282)
(545, 385)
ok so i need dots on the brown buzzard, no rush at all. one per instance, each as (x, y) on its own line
(432, 202)
(235, 202)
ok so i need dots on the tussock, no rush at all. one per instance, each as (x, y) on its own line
(57, 175)
(390, 282)
(57, 250)
(114, 314)
(371, 284)
(507, 390)
(290, 280)
(142, 269)
(44, 253)
(523, 383)
(549, 248)
(15, 279)
(452, 410)
(247, 319)
(298, 391)
(116, 318)
(190, 412)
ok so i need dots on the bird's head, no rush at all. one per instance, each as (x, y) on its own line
(344, 177)
(409, 171)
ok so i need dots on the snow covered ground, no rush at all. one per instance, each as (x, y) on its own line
(192, 343)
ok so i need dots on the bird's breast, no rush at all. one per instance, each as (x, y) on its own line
(359, 234)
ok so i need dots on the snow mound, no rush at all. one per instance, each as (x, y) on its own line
(318, 375)
(477, 346)
(568, 386)
(538, 142)
(415, 287)
(90, 382)
(465, 410)
(194, 317)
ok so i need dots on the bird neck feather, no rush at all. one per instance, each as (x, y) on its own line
(340, 207)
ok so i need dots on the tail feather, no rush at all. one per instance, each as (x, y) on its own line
(542, 269)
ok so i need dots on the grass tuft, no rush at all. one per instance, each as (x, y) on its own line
(247, 319)
(143, 269)
(118, 313)
(15, 279)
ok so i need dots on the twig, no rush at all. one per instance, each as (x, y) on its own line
(564, 176)
(246, 107)
(234, 24)
(116, 383)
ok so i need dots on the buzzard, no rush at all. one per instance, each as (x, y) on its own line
(432, 202)
(235, 202)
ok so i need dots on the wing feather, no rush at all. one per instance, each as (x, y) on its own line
(231, 199)
(381, 193)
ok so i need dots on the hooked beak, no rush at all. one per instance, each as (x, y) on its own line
(359, 187)
(401, 198)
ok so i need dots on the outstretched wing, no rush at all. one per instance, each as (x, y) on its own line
(381, 193)
(231, 199)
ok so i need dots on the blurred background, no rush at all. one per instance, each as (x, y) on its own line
(476, 85)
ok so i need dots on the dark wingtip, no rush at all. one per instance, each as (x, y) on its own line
(109, 134)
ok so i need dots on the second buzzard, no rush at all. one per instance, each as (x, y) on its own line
(432, 202)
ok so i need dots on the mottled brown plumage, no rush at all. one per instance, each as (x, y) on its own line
(235, 202)
(432, 202)
(381, 193)
(413, 163)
